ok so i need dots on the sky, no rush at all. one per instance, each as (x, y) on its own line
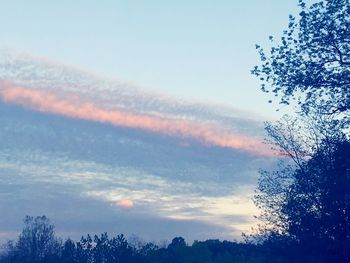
(134, 117)
(200, 50)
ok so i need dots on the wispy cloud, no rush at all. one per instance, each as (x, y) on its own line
(125, 191)
(72, 106)
(160, 168)
(43, 85)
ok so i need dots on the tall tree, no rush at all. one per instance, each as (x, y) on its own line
(307, 200)
(311, 63)
(36, 243)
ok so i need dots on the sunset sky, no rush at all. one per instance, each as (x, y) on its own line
(202, 50)
(135, 117)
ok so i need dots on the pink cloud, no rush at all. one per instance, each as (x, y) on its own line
(125, 203)
(73, 107)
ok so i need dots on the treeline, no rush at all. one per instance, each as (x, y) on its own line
(38, 243)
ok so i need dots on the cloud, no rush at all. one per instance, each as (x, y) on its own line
(71, 105)
(40, 73)
(150, 171)
(125, 203)
(88, 197)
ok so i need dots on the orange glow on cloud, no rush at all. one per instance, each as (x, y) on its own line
(70, 106)
(125, 203)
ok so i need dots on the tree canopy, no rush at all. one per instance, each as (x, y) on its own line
(311, 203)
(105, 249)
(305, 202)
(36, 243)
(311, 63)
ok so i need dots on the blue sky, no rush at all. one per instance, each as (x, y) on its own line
(200, 50)
(101, 122)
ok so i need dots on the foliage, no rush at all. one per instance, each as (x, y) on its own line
(103, 249)
(305, 203)
(308, 200)
(311, 63)
(318, 201)
(36, 243)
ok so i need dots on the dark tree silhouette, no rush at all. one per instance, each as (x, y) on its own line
(305, 202)
(36, 243)
(317, 206)
(308, 201)
(311, 63)
(102, 249)
(69, 253)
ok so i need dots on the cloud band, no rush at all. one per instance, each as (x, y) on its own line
(72, 106)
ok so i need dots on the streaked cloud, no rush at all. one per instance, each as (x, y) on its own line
(97, 154)
(46, 86)
(125, 190)
(72, 106)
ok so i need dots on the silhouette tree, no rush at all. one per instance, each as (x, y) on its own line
(36, 243)
(177, 242)
(317, 206)
(69, 254)
(311, 63)
(309, 201)
(102, 249)
(305, 203)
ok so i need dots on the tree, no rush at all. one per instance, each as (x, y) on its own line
(68, 254)
(308, 200)
(36, 243)
(318, 201)
(177, 242)
(305, 203)
(311, 64)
